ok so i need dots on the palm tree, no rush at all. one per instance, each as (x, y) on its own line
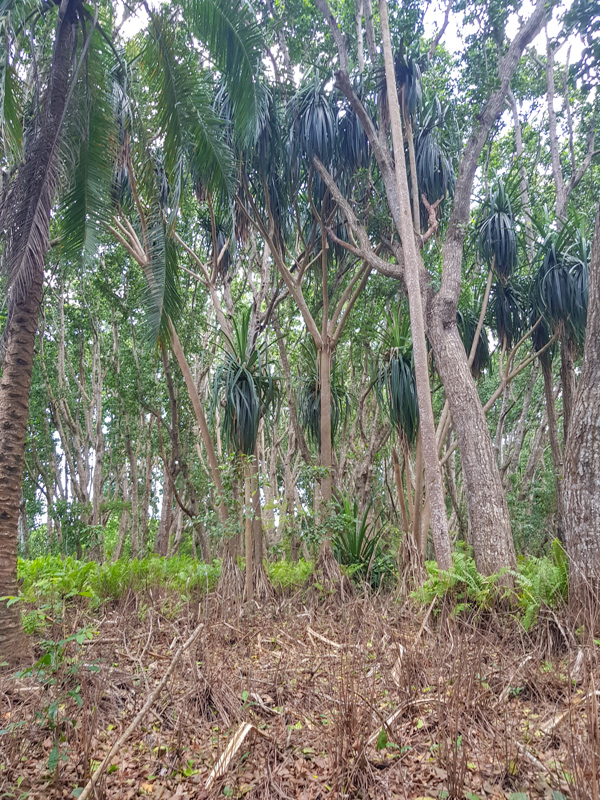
(244, 386)
(82, 102)
(25, 226)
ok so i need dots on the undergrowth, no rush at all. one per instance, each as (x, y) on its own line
(539, 583)
(54, 579)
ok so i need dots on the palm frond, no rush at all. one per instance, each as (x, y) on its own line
(309, 396)
(93, 136)
(233, 38)
(164, 302)
(467, 319)
(507, 307)
(11, 127)
(244, 384)
(185, 114)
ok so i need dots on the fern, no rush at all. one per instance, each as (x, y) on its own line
(542, 582)
(462, 583)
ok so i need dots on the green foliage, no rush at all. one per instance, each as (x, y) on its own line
(309, 395)
(543, 582)
(395, 384)
(245, 383)
(467, 319)
(462, 584)
(289, 574)
(356, 541)
(539, 582)
(497, 233)
(53, 579)
(561, 285)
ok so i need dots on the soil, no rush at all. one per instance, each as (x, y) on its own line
(368, 699)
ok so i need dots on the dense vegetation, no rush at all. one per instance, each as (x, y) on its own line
(301, 305)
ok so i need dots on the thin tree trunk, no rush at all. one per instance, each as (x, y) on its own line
(400, 490)
(145, 510)
(202, 423)
(325, 378)
(435, 490)
(161, 544)
(582, 459)
(248, 533)
(555, 449)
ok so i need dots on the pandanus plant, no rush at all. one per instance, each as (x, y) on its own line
(560, 294)
(467, 319)
(497, 243)
(309, 396)
(396, 391)
(245, 388)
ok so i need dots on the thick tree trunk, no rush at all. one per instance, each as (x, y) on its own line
(28, 213)
(582, 458)
(486, 502)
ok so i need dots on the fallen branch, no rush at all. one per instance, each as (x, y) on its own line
(552, 724)
(312, 633)
(233, 746)
(144, 710)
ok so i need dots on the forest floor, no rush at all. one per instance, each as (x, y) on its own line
(372, 699)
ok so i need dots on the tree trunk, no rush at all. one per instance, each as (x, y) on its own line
(248, 533)
(27, 215)
(161, 545)
(400, 490)
(202, 423)
(582, 458)
(567, 379)
(557, 458)
(325, 378)
(412, 263)
(489, 519)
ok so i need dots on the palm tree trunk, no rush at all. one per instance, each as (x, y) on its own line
(582, 459)
(433, 475)
(27, 217)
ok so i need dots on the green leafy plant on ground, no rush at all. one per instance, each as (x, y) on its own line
(542, 582)
(358, 544)
(462, 584)
(539, 582)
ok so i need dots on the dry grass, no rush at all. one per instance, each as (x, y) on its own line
(468, 706)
